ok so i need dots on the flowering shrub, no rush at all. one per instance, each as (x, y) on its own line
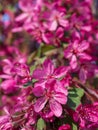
(48, 65)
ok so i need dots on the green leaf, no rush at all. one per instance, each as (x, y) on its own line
(32, 68)
(0, 80)
(41, 124)
(39, 51)
(1, 7)
(74, 127)
(74, 97)
(46, 48)
(31, 57)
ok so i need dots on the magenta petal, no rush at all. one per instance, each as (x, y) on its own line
(75, 116)
(75, 44)
(17, 29)
(40, 83)
(21, 17)
(65, 127)
(9, 86)
(61, 71)
(83, 75)
(3, 119)
(48, 67)
(28, 20)
(40, 103)
(38, 74)
(63, 22)
(82, 123)
(61, 98)
(45, 38)
(25, 6)
(84, 56)
(73, 62)
(68, 52)
(38, 91)
(53, 26)
(4, 76)
(83, 46)
(59, 32)
(60, 88)
(5, 123)
(56, 108)
(28, 26)
(86, 28)
(6, 61)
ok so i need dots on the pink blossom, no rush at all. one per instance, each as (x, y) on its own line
(87, 70)
(5, 123)
(65, 127)
(54, 93)
(54, 38)
(19, 71)
(9, 86)
(19, 111)
(57, 18)
(87, 116)
(27, 8)
(49, 72)
(47, 115)
(76, 51)
(29, 16)
(22, 71)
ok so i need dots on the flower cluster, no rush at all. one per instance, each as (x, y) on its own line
(87, 116)
(48, 65)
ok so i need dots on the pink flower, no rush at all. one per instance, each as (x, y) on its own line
(22, 72)
(47, 115)
(17, 70)
(27, 9)
(54, 38)
(29, 17)
(19, 111)
(5, 123)
(57, 18)
(65, 127)
(9, 86)
(49, 72)
(76, 51)
(87, 116)
(87, 70)
(54, 93)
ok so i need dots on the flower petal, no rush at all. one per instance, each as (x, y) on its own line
(53, 25)
(67, 52)
(21, 17)
(73, 62)
(44, 37)
(84, 56)
(82, 75)
(86, 28)
(83, 46)
(75, 44)
(40, 103)
(60, 88)
(61, 71)
(48, 67)
(38, 74)
(56, 108)
(38, 91)
(63, 22)
(61, 98)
